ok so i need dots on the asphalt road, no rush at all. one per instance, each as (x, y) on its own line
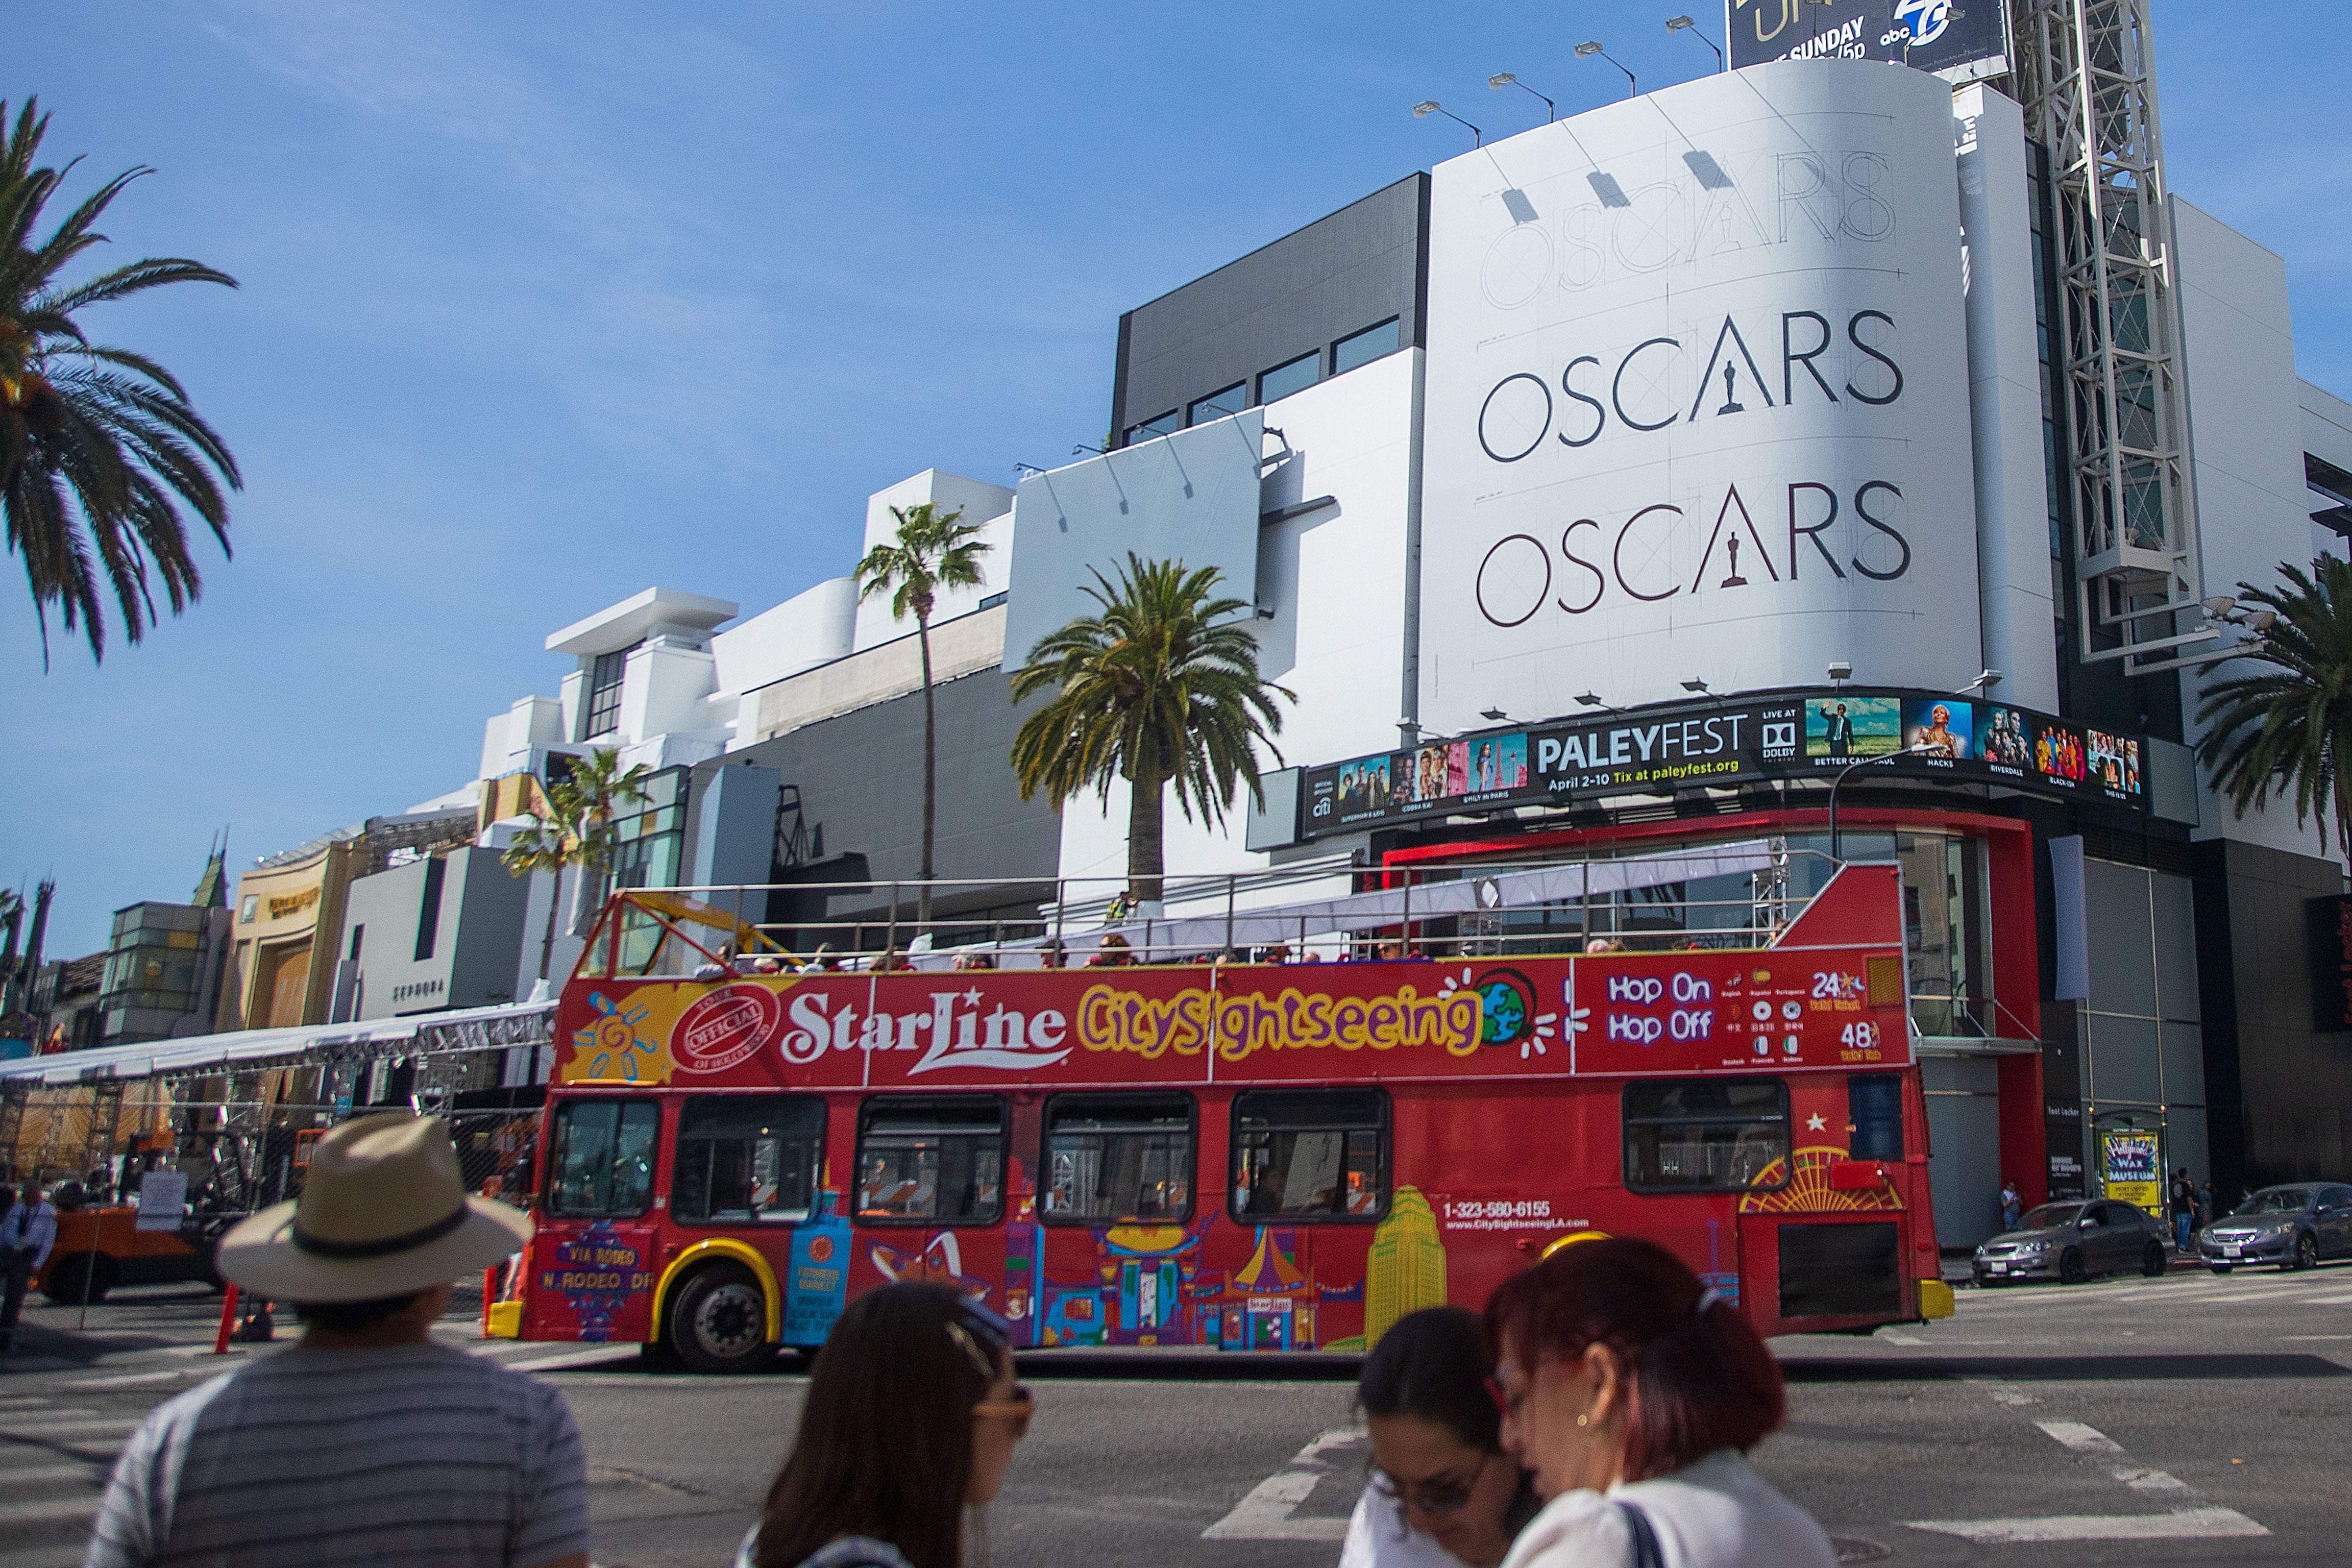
(2185, 1420)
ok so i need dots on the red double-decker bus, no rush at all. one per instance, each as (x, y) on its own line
(1230, 1156)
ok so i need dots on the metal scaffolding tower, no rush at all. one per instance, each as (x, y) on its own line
(2086, 71)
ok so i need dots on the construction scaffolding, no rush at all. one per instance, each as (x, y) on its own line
(238, 1115)
(2085, 72)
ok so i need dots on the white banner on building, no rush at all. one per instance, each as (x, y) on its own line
(1697, 399)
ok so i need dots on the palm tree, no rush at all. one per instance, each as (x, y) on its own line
(934, 550)
(2284, 731)
(1160, 688)
(575, 827)
(95, 443)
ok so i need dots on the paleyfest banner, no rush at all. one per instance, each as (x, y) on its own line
(1697, 399)
(1779, 735)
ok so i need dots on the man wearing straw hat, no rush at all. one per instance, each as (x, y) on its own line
(366, 1439)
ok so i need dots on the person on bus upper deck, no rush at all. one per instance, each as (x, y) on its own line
(1112, 953)
(907, 1427)
(1443, 1493)
(824, 961)
(1053, 955)
(1635, 1394)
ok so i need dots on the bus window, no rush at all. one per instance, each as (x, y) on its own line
(1701, 1135)
(746, 1158)
(602, 1164)
(931, 1161)
(1310, 1153)
(1118, 1157)
(1873, 1103)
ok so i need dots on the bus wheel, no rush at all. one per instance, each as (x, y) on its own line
(74, 1274)
(2069, 1268)
(719, 1321)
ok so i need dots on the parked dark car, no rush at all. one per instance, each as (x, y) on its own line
(2294, 1225)
(2071, 1242)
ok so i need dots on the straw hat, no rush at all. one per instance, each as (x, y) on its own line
(383, 1213)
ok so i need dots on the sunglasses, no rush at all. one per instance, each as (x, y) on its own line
(1437, 1496)
(1507, 1403)
(1018, 1410)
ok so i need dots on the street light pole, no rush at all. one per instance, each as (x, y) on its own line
(1839, 783)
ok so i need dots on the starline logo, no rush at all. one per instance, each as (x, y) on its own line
(954, 1033)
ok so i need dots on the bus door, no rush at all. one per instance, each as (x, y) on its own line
(592, 1258)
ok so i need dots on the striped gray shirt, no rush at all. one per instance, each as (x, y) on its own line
(415, 1455)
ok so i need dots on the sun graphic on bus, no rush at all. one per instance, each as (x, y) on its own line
(1506, 1008)
(612, 1042)
(1809, 1190)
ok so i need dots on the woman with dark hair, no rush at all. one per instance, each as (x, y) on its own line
(1443, 1492)
(1632, 1393)
(910, 1420)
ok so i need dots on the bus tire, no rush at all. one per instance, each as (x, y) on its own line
(2069, 1268)
(66, 1280)
(719, 1321)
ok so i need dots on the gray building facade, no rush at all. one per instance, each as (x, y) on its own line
(444, 930)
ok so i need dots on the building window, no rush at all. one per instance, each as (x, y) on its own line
(428, 907)
(1119, 1158)
(1296, 375)
(649, 846)
(931, 1161)
(601, 1165)
(1160, 425)
(246, 907)
(1724, 1135)
(1364, 347)
(747, 1158)
(1310, 1153)
(604, 679)
(1218, 404)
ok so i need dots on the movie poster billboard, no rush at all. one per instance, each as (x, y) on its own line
(1678, 746)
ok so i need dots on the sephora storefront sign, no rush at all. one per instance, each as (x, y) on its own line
(1773, 735)
(1698, 396)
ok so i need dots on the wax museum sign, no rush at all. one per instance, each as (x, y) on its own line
(1697, 392)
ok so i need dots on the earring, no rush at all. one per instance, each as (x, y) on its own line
(1585, 1420)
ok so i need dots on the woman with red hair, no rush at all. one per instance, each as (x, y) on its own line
(1632, 1393)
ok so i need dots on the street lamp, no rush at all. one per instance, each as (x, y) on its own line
(1428, 107)
(1684, 25)
(1839, 783)
(1586, 51)
(1502, 79)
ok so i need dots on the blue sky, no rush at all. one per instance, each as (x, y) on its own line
(546, 303)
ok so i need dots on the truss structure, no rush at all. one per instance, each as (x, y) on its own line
(2086, 71)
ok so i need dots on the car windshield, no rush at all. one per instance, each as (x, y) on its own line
(2050, 1215)
(2279, 1200)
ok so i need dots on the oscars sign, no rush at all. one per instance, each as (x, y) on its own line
(1697, 392)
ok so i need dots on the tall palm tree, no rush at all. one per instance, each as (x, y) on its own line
(96, 442)
(2285, 730)
(934, 550)
(1163, 687)
(574, 826)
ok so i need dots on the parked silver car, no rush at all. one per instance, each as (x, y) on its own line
(2294, 1226)
(2071, 1242)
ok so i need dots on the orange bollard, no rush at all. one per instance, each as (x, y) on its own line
(228, 1319)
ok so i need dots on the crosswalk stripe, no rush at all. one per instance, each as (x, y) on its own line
(2081, 1439)
(2326, 1300)
(53, 1507)
(48, 1475)
(2188, 1523)
(105, 1427)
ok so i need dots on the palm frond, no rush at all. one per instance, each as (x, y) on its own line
(100, 447)
(2278, 732)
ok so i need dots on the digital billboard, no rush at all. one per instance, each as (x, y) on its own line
(1959, 40)
(1694, 403)
(1783, 734)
